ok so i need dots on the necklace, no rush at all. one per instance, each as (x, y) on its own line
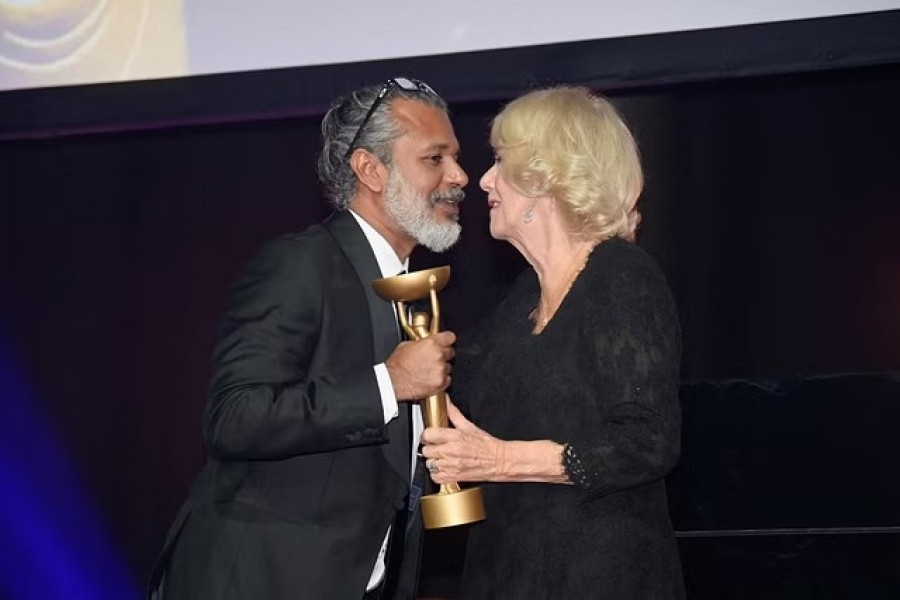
(545, 309)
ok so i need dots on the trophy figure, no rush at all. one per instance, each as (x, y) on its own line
(451, 505)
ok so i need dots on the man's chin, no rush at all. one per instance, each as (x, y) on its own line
(442, 238)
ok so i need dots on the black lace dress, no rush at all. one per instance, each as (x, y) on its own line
(601, 378)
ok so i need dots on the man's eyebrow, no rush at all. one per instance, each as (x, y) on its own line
(439, 146)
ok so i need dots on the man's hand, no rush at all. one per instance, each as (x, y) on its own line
(421, 368)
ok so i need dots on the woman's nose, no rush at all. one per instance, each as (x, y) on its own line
(487, 180)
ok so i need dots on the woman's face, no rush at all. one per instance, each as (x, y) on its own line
(507, 205)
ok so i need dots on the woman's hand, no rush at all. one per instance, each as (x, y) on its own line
(466, 453)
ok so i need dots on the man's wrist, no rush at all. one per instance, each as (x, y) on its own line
(386, 391)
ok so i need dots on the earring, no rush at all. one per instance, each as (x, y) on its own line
(528, 217)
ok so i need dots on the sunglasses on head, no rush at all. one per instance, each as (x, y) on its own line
(404, 83)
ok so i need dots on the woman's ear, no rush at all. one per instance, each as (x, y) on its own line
(370, 171)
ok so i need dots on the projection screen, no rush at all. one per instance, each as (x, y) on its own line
(65, 42)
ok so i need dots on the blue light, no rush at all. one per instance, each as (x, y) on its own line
(52, 542)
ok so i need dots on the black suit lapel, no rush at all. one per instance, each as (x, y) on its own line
(352, 241)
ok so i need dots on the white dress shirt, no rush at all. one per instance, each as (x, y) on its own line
(389, 264)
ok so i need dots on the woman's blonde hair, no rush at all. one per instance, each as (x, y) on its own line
(571, 144)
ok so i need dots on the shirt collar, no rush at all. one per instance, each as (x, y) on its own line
(388, 261)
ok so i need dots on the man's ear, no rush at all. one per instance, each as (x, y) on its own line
(370, 171)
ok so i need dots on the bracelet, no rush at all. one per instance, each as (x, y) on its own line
(573, 467)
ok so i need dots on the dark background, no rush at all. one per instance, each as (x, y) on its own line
(772, 204)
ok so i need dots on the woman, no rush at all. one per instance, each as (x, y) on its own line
(573, 383)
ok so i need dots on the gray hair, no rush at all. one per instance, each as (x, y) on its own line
(340, 125)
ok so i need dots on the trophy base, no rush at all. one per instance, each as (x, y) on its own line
(450, 510)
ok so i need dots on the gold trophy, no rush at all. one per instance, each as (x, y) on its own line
(451, 506)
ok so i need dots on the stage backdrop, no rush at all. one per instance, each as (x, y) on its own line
(771, 204)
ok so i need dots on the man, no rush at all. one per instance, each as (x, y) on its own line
(306, 493)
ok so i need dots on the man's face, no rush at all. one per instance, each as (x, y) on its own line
(426, 181)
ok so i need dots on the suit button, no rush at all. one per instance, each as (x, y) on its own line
(353, 437)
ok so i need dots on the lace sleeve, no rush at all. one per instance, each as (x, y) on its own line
(577, 471)
(627, 430)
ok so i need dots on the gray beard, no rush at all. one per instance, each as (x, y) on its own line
(412, 212)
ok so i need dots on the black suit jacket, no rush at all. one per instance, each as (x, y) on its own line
(303, 477)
